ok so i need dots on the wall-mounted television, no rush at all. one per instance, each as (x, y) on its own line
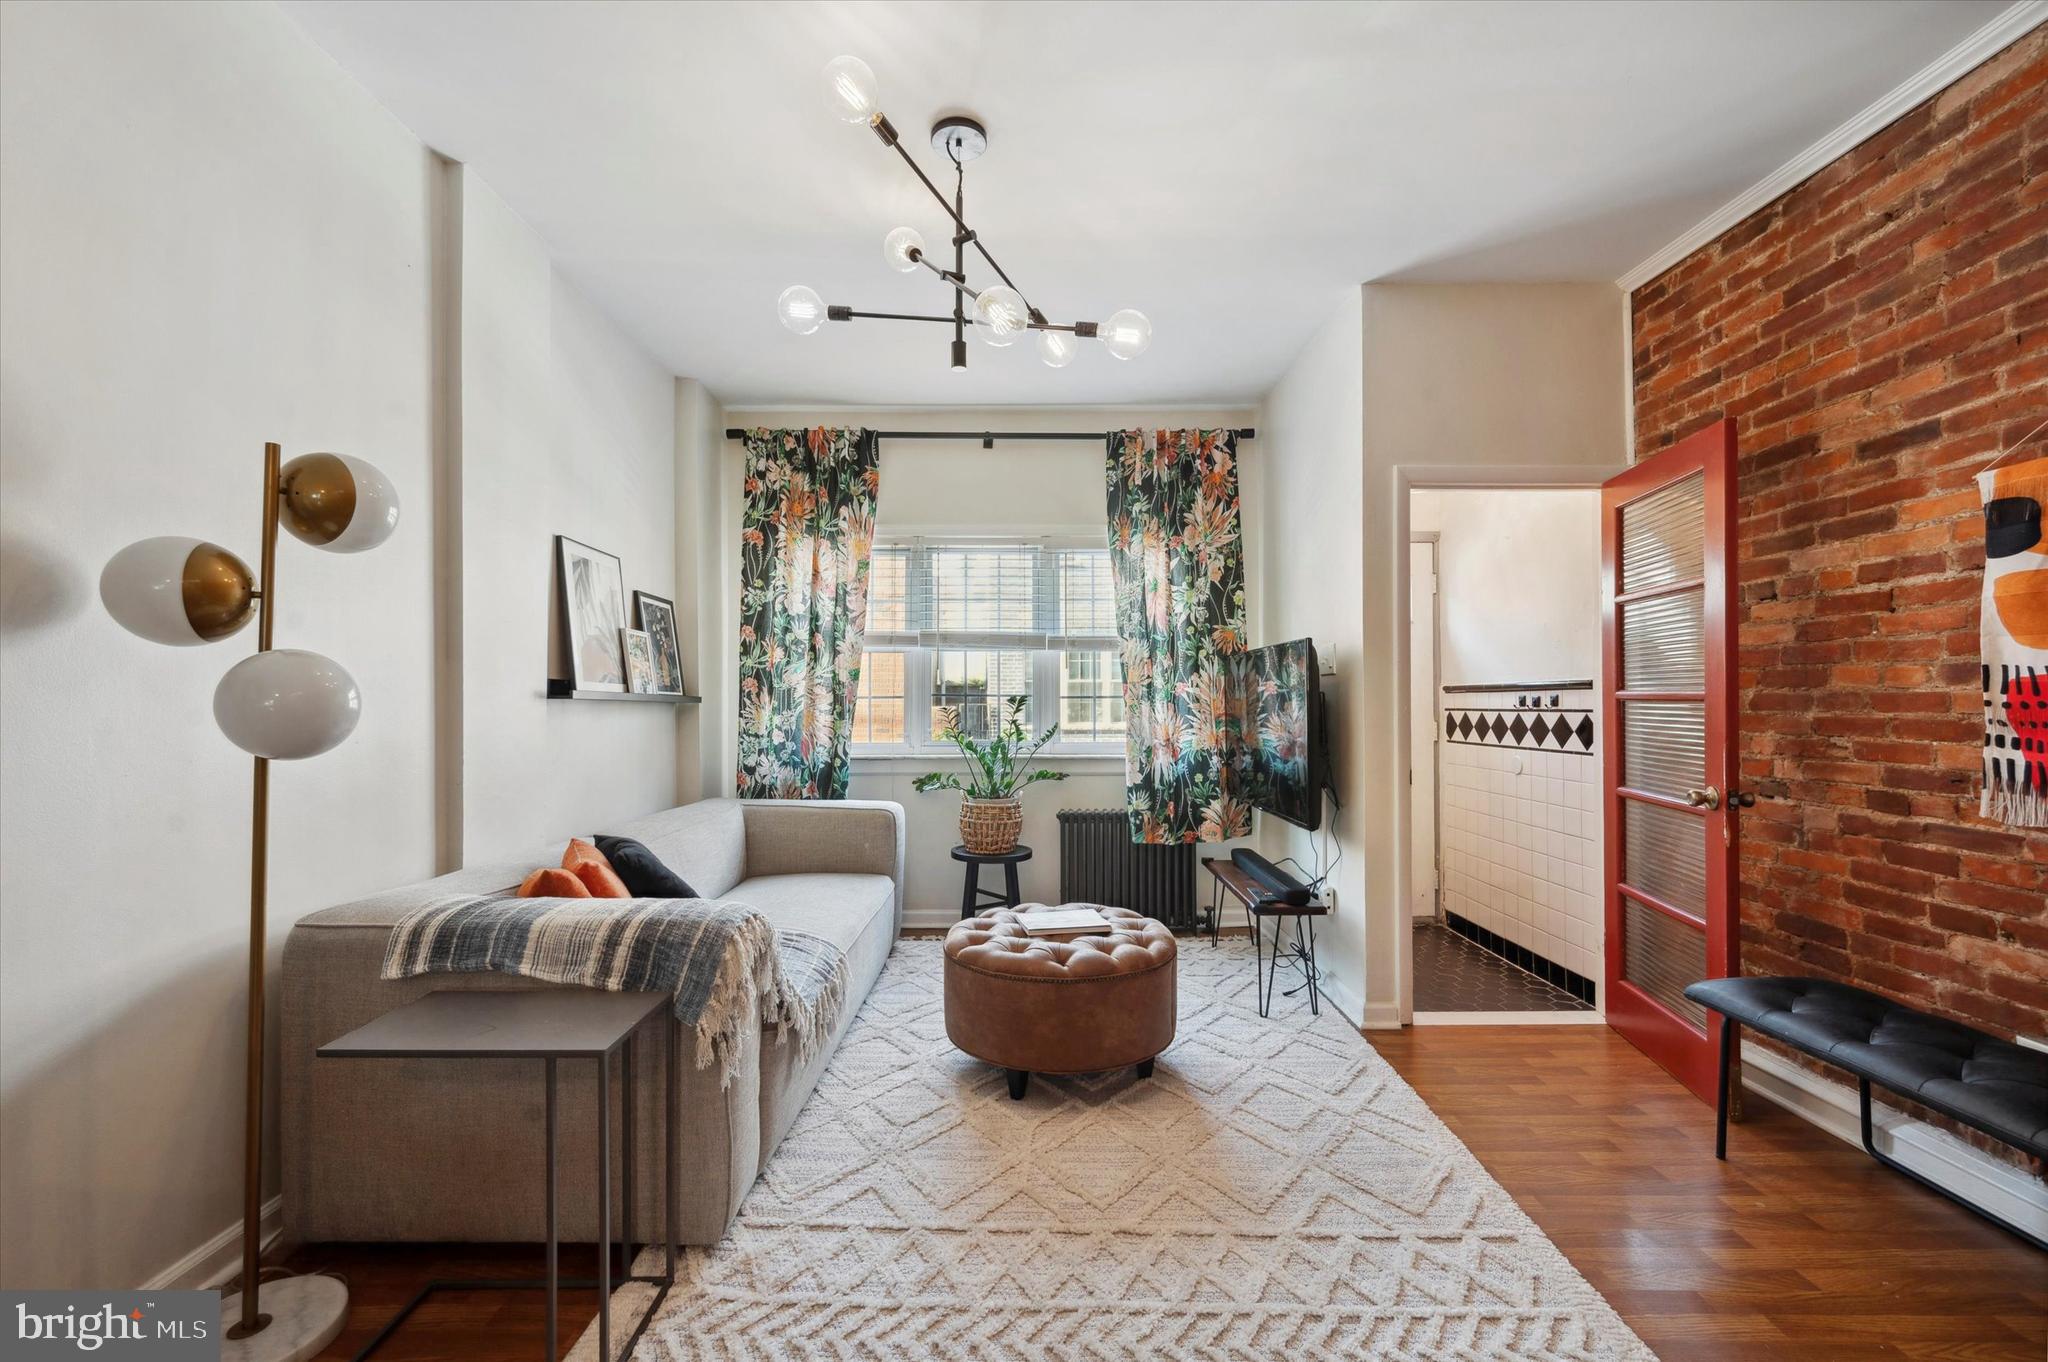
(1289, 756)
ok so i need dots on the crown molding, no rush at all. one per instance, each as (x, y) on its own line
(2007, 28)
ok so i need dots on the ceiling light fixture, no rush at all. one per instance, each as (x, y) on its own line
(998, 314)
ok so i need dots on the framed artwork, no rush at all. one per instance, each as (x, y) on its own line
(639, 654)
(658, 618)
(593, 613)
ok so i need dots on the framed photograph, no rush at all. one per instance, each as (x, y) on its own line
(593, 613)
(658, 618)
(639, 654)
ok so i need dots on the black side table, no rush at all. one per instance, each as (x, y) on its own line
(973, 898)
(548, 1025)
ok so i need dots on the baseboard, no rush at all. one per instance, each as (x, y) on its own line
(1576, 1018)
(220, 1257)
(1936, 1155)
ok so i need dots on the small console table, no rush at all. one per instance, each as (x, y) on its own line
(548, 1025)
(1259, 908)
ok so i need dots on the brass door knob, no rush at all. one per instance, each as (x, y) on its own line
(1709, 798)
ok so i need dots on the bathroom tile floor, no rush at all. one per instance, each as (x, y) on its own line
(1454, 975)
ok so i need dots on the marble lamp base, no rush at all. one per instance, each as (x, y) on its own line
(306, 1313)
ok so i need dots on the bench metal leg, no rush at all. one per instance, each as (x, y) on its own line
(1721, 1099)
(1870, 1148)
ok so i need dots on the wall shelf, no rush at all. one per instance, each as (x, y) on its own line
(566, 690)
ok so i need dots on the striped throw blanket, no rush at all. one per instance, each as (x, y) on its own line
(726, 965)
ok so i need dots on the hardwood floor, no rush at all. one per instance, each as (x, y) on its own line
(1798, 1249)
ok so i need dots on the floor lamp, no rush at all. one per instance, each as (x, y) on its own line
(278, 705)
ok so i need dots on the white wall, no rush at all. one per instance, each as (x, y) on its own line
(1519, 576)
(707, 751)
(1014, 488)
(1307, 578)
(567, 428)
(209, 238)
(1489, 382)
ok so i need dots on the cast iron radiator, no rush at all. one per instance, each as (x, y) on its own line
(1100, 864)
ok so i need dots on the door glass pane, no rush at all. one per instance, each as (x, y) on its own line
(1663, 535)
(1663, 643)
(1664, 746)
(1660, 957)
(1664, 853)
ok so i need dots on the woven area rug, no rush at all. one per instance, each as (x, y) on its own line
(1275, 1190)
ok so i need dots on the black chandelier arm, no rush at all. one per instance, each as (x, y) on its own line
(886, 130)
(847, 314)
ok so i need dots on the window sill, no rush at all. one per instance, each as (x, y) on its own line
(917, 763)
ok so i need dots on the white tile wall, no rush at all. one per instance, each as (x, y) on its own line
(1521, 840)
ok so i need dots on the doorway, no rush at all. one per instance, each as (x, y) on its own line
(1505, 838)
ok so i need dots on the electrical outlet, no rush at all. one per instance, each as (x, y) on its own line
(2032, 1042)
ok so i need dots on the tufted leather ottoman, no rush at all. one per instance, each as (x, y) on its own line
(1060, 1005)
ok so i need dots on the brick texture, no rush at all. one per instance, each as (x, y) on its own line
(1876, 333)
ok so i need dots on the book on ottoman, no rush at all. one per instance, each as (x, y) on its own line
(1058, 921)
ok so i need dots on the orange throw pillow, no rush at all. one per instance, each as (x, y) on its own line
(588, 864)
(552, 883)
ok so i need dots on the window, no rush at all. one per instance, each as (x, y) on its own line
(972, 689)
(957, 628)
(1092, 696)
(878, 705)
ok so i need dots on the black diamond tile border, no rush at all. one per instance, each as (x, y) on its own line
(1553, 730)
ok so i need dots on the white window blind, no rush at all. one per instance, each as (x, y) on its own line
(981, 594)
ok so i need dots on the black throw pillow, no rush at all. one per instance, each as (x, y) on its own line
(645, 876)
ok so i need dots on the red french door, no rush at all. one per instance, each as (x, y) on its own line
(1668, 697)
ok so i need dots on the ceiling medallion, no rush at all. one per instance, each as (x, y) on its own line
(1000, 313)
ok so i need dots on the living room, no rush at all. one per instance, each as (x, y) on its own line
(1496, 572)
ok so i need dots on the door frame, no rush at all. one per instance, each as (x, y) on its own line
(1448, 477)
(1434, 539)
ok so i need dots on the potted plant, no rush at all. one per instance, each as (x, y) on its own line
(991, 814)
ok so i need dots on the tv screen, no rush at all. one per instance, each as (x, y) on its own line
(1284, 682)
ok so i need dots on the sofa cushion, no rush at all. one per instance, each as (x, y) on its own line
(705, 843)
(838, 908)
(856, 913)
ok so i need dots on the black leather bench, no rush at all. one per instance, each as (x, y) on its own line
(1986, 1083)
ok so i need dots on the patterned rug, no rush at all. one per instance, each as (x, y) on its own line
(1275, 1190)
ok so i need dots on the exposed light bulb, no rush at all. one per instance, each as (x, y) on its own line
(897, 248)
(801, 309)
(1126, 333)
(1000, 315)
(850, 89)
(1057, 348)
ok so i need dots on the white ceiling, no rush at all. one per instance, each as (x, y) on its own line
(1226, 168)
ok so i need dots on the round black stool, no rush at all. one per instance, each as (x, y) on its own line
(973, 898)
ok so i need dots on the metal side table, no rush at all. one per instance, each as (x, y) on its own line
(549, 1025)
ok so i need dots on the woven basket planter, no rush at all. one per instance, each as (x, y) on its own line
(990, 827)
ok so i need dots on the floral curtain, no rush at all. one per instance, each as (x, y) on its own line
(805, 540)
(1178, 561)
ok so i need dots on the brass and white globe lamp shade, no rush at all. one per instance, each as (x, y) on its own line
(280, 704)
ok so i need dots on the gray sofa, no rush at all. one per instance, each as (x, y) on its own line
(446, 1150)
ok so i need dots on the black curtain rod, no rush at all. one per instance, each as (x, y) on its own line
(988, 437)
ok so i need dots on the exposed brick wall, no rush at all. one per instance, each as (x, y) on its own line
(1877, 333)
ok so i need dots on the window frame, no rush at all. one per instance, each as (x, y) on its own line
(1046, 650)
